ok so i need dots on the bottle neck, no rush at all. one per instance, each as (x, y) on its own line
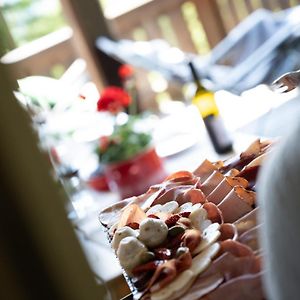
(200, 87)
(203, 98)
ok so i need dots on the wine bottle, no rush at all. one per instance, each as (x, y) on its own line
(204, 100)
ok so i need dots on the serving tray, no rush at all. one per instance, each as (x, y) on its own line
(206, 246)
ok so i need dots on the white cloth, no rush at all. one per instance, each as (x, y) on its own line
(279, 199)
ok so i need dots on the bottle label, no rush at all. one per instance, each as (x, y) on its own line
(206, 104)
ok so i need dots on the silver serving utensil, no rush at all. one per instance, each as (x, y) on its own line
(286, 82)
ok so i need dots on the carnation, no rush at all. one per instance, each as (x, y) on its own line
(113, 99)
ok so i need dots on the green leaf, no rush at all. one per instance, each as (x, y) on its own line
(125, 142)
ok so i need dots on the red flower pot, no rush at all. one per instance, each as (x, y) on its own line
(134, 177)
(97, 180)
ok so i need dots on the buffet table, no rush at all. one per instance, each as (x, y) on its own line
(255, 114)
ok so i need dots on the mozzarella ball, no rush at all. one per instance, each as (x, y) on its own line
(153, 232)
(130, 252)
(122, 233)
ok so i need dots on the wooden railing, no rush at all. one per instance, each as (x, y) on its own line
(41, 56)
(192, 25)
(232, 12)
(176, 21)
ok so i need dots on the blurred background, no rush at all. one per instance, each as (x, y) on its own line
(57, 60)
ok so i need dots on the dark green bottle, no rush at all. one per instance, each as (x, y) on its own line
(204, 100)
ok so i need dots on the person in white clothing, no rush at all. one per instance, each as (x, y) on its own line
(279, 199)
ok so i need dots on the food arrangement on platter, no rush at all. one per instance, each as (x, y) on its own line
(195, 235)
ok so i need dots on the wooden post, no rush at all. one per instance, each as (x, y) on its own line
(6, 40)
(32, 208)
(211, 19)
(88, 22)
(180, 27)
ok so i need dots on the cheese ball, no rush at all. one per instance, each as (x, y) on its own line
(122, 233)
(153, 232)
(130, 252)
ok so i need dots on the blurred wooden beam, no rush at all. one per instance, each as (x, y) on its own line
(6, 40)
(88, 23)
(211, 19)
(41, 257)
(39, 56)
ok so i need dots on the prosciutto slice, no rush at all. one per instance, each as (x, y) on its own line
(224, 188)
(167, 271)
(246, 287)
(205, 170)
(236, 248)
(224, 269)
(250, 238)
(228, 231)
(236, 204)
(246, 222)
(213, 212)
(211, 182)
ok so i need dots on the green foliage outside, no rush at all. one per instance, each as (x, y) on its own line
(6, 41)
(30, 19)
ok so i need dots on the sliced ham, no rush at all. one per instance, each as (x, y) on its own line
(205, 170)
(168, 270)
(131, 214)
(231, 266)
(250, 174)
(236, 248)
(256, 149)
(246, 287)
(203, 287)
(228, 231)
(112, 214)
(236, 204)
(173, 194)
(251, 216)
(237, 162)
(250, 238)
(224, 188)
(256, 162)
(225, 268)
(232, 172)
(211, 182)
(194, 196)
(213, 213)
(180, 178)
(191, 239)
(246, 222)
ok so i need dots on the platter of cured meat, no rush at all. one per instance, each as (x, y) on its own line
(195, 235)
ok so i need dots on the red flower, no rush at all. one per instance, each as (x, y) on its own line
(113, 99)
(104, 143)
(125, 71)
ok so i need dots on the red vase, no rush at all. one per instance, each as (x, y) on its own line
(134, 177)
(98, 182)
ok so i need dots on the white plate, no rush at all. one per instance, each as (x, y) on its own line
(175, 144)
